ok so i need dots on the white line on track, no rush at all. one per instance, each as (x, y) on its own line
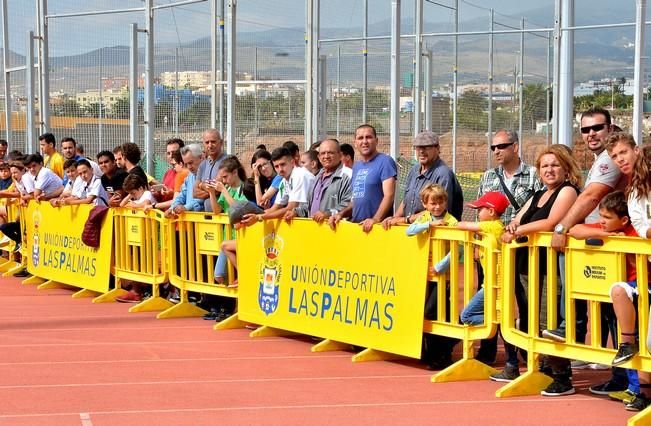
(199, 382)
(319, 406)
(85, 419)
(132, 360)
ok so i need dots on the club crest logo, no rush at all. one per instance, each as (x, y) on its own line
(270, 272)
(36, 251)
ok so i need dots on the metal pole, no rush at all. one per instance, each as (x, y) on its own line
(44, 68)
(489, 136)
(395, 79)
(521, 89)
(230, 77)
(640, 44)
(149, 86)
(222, 66)
(454, 86)
(323, 97)
(30, 141)
(365, 64)
(566, 82)
(5, 65)
(214, 22)
(557, 70)
(176, 95)
(309, 47)
(100, 112)
(418, 59)
(548, 91)
(428, 90)
(338, 85)
(316, 131)
(255, 88)
(133, 85)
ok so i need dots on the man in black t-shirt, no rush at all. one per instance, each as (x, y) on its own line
(112, 178)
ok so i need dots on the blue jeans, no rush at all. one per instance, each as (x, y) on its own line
(221, 265)
(473, 313)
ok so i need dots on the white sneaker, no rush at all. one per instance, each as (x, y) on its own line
(596, 366)
(4, 241)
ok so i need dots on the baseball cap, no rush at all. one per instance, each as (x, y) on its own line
(494, 200)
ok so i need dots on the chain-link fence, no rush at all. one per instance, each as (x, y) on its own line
(89, 74)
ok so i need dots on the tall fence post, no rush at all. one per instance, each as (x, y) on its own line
(489, 136)
(316, 22)
(5, 66)
(428, 89)
(521, 89)
(365, 64)
(44, 67)
(133, 85)
(454, 85)
(395, 79)
(213, 64)
(566, 81)
(309, 47)
(30, 143)
(640, 45)
(230, 76)
(149, 86)
(418, 65)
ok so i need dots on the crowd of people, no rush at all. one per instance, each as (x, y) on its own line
(326, 184)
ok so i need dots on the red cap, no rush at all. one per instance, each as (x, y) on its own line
(494, 200)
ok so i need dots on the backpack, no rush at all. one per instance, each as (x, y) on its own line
(91, 233)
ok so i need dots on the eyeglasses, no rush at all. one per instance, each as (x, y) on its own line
(594, 128)
(501, 146)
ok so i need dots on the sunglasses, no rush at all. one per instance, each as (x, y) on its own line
(501, 146)
(595, 128)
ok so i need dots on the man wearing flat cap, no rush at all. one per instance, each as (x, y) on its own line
(429, 169)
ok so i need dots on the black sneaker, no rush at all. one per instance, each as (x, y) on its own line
(559, 388)
(625, 352)
(510, 373)
(606, 388)
(557, 335)
(638, 404)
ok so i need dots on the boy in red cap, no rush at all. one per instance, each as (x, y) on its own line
(490, 207)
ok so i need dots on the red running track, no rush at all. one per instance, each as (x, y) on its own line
(67, 361)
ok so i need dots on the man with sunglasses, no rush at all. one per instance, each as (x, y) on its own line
(603, 178)
(518, 181)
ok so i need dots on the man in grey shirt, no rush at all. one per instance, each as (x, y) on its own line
(331, 191)
(213, 149)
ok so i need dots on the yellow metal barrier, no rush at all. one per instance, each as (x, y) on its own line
(450, 239)
(54, 251)
(194, 241)
(12, 262)
(140, 254)
(590, 272)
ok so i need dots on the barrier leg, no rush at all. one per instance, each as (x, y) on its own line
(183, 309)
(467, 368)
(17, 267)
(530, 383)
(328, 345)
(9, 265)
(85, 293)
(230, 323)
(374, 355)
(110, 296)
(266, 331)
(641, 418)
(51, 285)
(33, 280)
(153, 304)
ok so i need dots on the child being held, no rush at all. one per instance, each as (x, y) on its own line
(614, 220)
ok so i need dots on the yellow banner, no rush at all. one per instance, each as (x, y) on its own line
(363, 289)
(55, 250)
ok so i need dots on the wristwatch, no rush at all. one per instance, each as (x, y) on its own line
(560, 229)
